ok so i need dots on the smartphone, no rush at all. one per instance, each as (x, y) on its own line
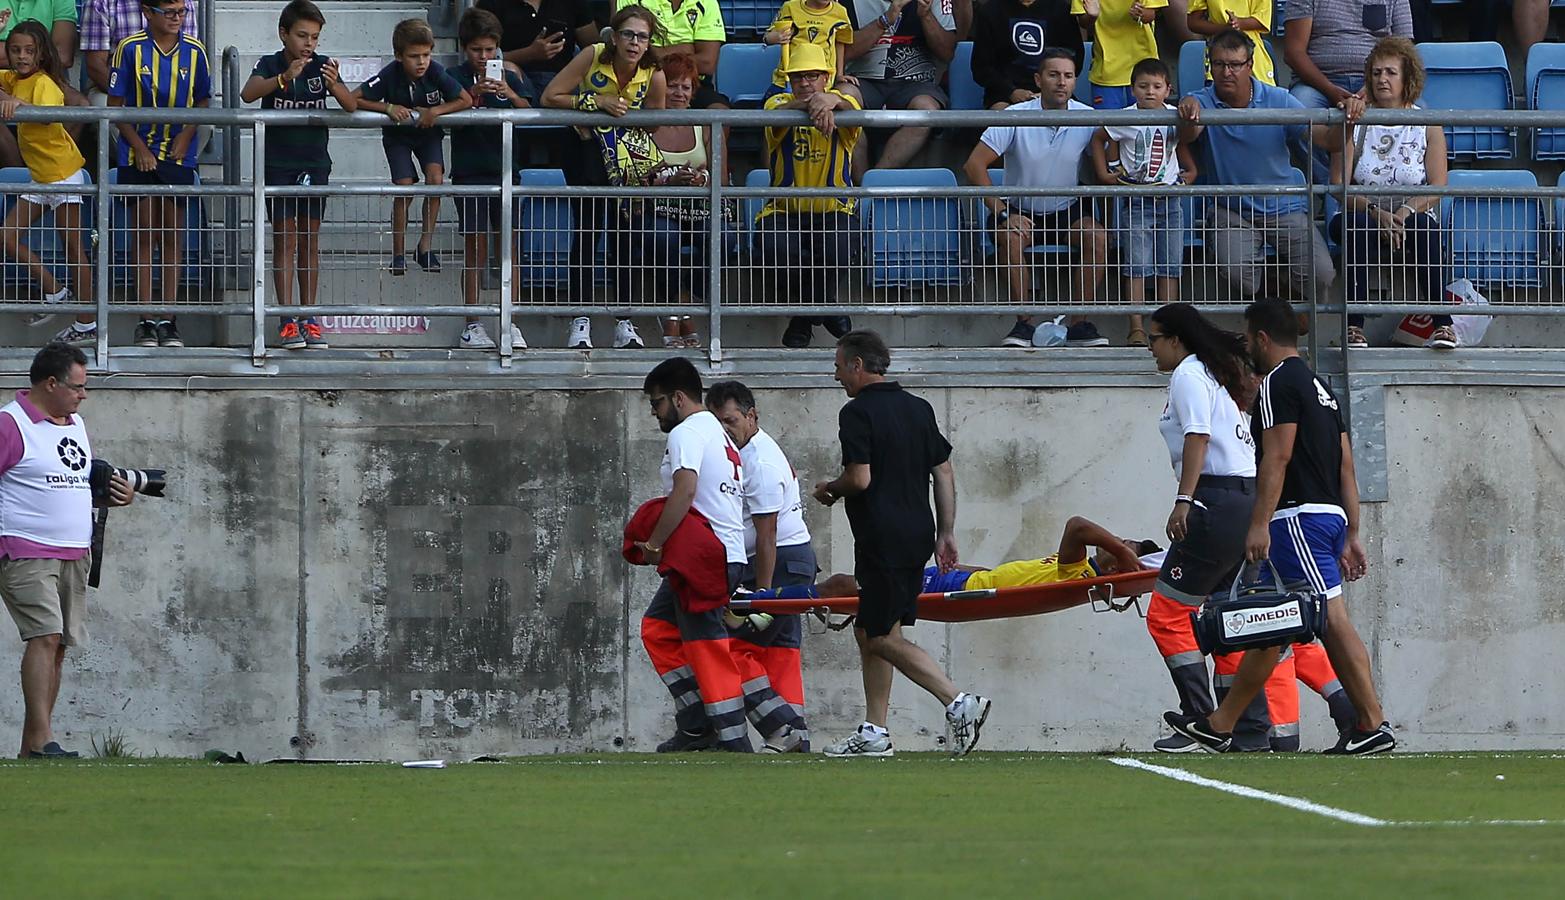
(494, 69)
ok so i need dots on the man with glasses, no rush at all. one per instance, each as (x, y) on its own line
(46, 530)
(1243, 225)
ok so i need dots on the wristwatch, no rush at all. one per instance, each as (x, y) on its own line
(1004, 215)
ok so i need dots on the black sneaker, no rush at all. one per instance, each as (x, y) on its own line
(168, 334)
(1196, 729)
(1363, 743)
(798, 333)
(146, 333)
(1084, 334)
(1020, 336)
(1175, 743)
(837, 326)
(53, 750)
(685, 742)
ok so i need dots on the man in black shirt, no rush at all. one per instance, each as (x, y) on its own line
(1009, 37)
(891, 448)
(1305, 524)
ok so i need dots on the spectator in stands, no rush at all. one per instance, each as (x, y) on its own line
(1529, 21)
(1327, 41)
(414, 81)
(693, 27)
(1040, 156)
(614, 78)
(160, 67)
(1152, 227)
(823, 23)
(1009, 37)
(477, 157)
(677, 224)
(1122, 35)
(36, 78)
(1257, 154)
(540, 37)
(105, 23)
(297, 77)
(1253, 17)
(813, 234)
(900, 49)
(58, 17)
(1381, 231)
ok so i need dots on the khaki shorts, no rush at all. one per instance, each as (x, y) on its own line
(47, 596)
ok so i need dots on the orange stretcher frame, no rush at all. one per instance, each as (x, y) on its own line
(1115, 591)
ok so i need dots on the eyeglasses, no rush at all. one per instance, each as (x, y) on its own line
(170, 14)
(656, 402)
(632, 36)
(1229, 66)
(73, 388)
(1155, 336)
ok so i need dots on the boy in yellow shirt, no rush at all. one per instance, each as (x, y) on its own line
(1122, 35)
(1253, 17)
(823, 23)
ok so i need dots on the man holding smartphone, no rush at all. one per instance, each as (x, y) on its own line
(540, 37)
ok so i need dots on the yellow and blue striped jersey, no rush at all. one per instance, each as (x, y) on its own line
(143, 75)
(801, 156)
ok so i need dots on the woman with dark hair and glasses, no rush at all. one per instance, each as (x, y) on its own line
(1209, 444)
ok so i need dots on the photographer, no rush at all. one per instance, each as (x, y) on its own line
(46, 530)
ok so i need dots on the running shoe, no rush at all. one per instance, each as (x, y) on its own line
(685, 742)
(289, 337)
(860, 743)
(626, 337)
(966, 716)
(476, 337)
(1196, 729)
(517, 341)
(313, 338)
(428, 260)
(1363, 743)
(146, 333)
(76, 336)
(1175, 743)
(784, 740)
(1020, 336)
(580, 335)
(168, 334)
(1084, 334)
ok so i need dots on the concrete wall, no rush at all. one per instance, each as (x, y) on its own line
(410, 574)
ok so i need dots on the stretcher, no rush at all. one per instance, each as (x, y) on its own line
(1108, 592)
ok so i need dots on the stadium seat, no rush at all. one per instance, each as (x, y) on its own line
(41, 239)
(1470, 76)
(1559, 224)
(545, 230)
(1545, 87)
(747, 18)
(986, 239)
(1493, 240)
(964, 91)
(1083, 85)
(1192, 67)
(744, 71)
(750, 207)
(913, 240)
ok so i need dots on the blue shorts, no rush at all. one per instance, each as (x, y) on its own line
(1112, 97)
(1153, 237)
(404, 144)
(936, 582)
(1305, 550)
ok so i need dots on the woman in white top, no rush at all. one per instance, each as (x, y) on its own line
(682, 222)
(1395, 229)
(1213, 455)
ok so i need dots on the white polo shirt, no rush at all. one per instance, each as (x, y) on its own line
(700, 444)
(1041, 156)
(1198, 404)
(770, 486)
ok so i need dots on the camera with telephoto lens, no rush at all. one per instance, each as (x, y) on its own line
(143, 481)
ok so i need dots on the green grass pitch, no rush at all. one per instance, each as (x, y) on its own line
(710, 825)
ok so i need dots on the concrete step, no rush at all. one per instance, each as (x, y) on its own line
(352, 28)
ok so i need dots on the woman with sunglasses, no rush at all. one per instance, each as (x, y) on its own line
(1208, 435)
(615, 77)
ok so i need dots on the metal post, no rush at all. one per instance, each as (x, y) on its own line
(1347, 264)
(507, 240)
(714, 248)
(103, 242)
(231, 153)
(258, 245)
(1309, 206)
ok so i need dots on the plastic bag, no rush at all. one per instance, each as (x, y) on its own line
(1050, 334)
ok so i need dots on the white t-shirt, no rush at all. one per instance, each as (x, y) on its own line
(1147, 151)
(1197, 404)
(770, 486)
(1041, 156)
(700, 444)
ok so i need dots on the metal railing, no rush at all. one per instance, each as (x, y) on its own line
(909, 249)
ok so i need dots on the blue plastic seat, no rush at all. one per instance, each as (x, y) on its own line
(545, 229)
(965, 92)
(1192, 67)
(913, 240)
(1494, 240)
(1468, 76)
(42, 238)
(986, 236)
(744, 71)
(1545, 87)
(748, 17)
(1083, 83)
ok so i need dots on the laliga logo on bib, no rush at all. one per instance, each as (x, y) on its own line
(1027, 37)
(72, 454)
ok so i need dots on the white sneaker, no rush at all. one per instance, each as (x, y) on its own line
(77, 336)
(626, 337)
(786, 740)
(968, 717)
(580, 337)
(517, 341)
(40, 318)
(475, 337)
(860, 743)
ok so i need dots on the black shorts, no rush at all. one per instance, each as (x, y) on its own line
(899, 93)
(307, 208)
(1209, 557)
(166, 173)
(887, 595)
(481, 215)
(1055, 228)
(426, 144)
